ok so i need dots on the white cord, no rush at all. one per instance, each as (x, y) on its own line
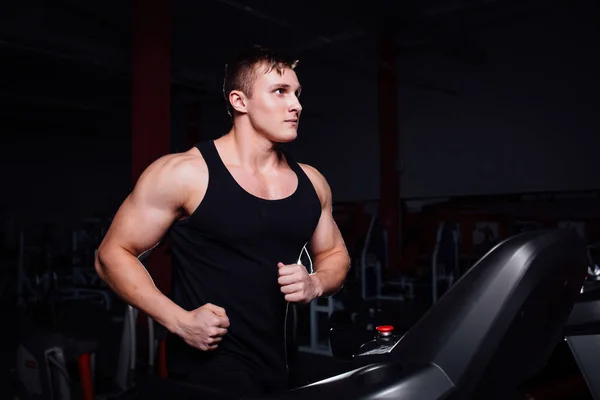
(299, 262)
(287, 304)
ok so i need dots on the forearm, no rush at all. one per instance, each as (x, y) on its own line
(130, 280)
(330, 273)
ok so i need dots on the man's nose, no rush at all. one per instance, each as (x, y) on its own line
(296, 106)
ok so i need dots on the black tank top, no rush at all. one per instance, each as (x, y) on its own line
(226, 253)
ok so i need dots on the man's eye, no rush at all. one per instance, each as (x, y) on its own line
(279, 91)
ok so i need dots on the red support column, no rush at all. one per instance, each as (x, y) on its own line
(151, 117)
(162, 360)
(151, 104)
(389, 200)
(86, 376)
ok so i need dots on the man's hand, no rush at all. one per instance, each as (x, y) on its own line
(205, 327)
(296, 284)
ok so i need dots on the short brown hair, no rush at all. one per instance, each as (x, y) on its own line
(241, 72)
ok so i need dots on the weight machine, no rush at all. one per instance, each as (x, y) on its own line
(445, 260)
(60, 360)
(45, 359)
(372, 265)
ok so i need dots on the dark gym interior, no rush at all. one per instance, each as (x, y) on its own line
(445, 129)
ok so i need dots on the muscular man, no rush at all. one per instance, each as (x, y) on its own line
(238, 212)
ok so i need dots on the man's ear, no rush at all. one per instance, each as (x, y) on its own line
(238, 101)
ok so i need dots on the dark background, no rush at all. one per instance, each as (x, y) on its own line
(493, 104)
(495, 97)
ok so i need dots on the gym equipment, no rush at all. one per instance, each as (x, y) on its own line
(318, 311)
(29, 289)
(373, 260)
(492, 330)
(37, 285)
(384, 342)
(495, 328)
(60, 362)
(324, 307)
(157, 339)
(444, 262)
(583, 338)
(46, 351)
(582, 332)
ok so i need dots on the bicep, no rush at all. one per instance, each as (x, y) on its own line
(138, 226)
(146, 214)
(326, 238)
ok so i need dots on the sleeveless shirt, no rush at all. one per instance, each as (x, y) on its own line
(226, 253)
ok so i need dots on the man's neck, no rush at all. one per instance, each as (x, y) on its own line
(250, 151)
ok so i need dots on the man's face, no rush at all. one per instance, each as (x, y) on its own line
(274, 108)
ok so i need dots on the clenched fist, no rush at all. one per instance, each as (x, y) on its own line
(205, 327)
(296, 284)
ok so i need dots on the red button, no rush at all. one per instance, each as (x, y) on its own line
(385, 328)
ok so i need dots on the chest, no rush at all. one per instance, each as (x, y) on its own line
(253, 221)
(274, 185)
(255, 211)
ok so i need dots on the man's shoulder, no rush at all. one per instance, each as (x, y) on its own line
(318, 180)
(187, 161)
(312, 172)
(179, 167)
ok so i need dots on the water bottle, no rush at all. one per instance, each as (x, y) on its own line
(385, 340)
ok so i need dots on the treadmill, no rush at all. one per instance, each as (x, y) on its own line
(582, 333)
(494, 329)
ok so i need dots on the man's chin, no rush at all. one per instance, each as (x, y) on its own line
(284, 137)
